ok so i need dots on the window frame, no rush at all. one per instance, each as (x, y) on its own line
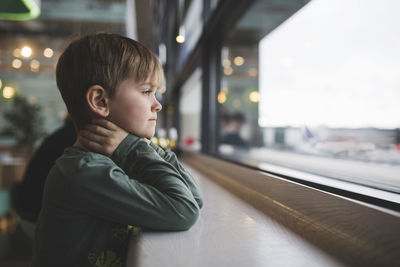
(207, 55)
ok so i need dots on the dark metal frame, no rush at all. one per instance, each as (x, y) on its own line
(207, 54)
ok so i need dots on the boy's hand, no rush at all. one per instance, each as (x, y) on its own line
(102, 136)
(148, 141)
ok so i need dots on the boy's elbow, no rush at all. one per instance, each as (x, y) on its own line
(199, 201)
(189, 218)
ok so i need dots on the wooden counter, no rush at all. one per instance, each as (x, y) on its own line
(229, 232)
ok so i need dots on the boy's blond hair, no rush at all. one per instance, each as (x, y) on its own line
(102, 59)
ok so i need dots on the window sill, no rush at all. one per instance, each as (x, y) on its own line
(268, 220)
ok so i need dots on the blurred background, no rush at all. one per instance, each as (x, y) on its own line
(300, 88)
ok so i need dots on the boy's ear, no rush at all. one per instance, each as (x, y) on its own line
(97, 99)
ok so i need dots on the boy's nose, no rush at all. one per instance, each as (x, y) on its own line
(156, 106)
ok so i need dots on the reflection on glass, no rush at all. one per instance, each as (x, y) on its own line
(239, 98)
(231, 125)
(328, 89)
(190, 113)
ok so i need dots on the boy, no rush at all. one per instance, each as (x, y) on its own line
(113, 176)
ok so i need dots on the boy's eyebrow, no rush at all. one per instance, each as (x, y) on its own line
(148, 84)
(152, 85)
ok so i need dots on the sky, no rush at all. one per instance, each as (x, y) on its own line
(334, 63)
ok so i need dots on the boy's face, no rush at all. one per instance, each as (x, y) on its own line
(134, 107)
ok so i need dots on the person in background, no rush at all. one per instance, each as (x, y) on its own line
(230, 126)
(27, 196)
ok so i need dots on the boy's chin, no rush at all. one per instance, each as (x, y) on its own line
(143, 134)
(149, 136)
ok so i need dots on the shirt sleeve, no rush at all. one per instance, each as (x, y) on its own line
(157, 198)
(186, 175)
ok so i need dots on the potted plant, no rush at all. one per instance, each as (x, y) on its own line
(25, 123)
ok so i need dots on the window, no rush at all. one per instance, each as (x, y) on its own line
(190, 112)
(316, 93)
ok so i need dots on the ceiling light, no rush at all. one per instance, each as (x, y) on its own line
(35, 64)
(48, 52)
(8, 92)
(26, 51)
(254, 96)
(226, 63)
(221, 97)
(19, 9)
(180, 39)
(16, 63)
(17, 52)
(181, 36)
(239, 61)
(228, 71)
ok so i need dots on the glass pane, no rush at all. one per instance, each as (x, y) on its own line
(190, 113)
(317, 93)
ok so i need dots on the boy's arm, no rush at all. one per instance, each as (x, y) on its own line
(190, 181)
(159, 200)
(163, 202)
(104, 137)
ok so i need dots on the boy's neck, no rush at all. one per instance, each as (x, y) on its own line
(78, 144)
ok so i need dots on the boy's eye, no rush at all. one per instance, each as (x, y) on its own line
(147, 92)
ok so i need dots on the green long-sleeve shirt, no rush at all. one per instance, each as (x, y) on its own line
(90, 199)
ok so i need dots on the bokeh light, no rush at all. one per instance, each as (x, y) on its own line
(8, 92)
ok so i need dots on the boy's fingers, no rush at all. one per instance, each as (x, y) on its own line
(94, 146)
(148, 141)
(92, 136)
(96, 129)
(90, 144)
